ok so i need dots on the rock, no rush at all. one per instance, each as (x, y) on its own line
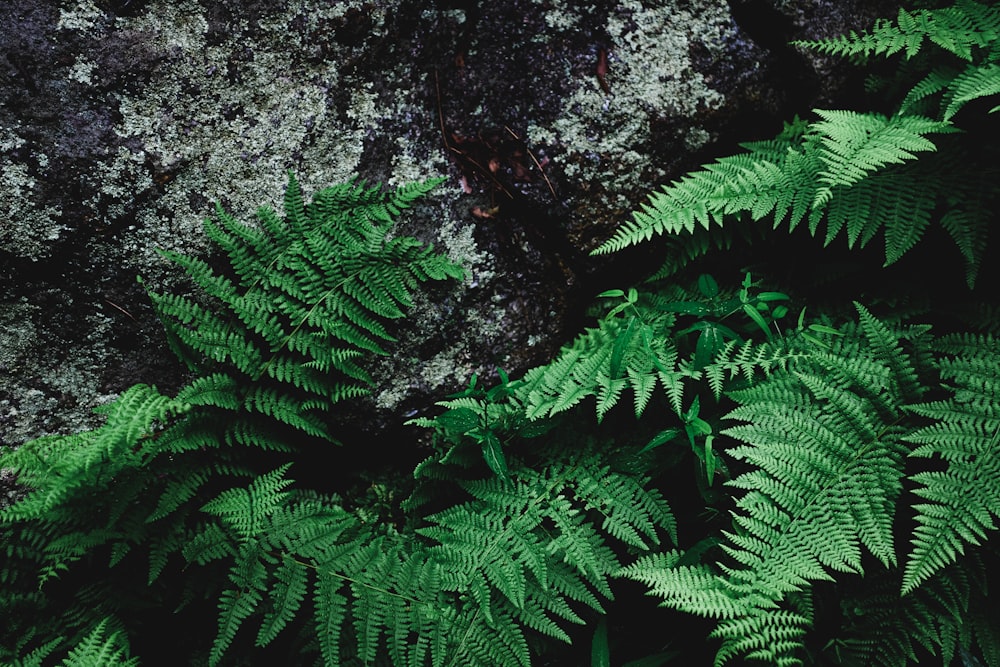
(123, 121)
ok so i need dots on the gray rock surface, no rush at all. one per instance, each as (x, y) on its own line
(123, 121)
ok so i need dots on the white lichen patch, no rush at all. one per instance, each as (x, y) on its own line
(114, 184)
(460, 245)
(407, 168)
(81, 15)
(26, 228)
(83, 71)
(442, 369)
(649, 76)
(228, 129)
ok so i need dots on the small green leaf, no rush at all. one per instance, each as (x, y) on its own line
(600, 653)
(459, 420)
(664, 436)
(708, 345)
(622, 343)
(697, 427)
(771, 296)
(755, 315)
(493, 454)
(707, 286)
(611, 294)
(693, 411)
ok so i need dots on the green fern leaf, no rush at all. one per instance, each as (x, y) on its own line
(312, 294)
(958, 29)
(973, 83)
(235, 606)
(331, 611)
(855, 145)
(246, 510)
(100, 648)
(962, 502)
(286, 596)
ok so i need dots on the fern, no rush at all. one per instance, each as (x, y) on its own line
(857, 173)
(519, 555)
(619, 353)
(961, 503)
(100, 648)
(961, 29)
(827, 469)
(943, 616)
(277, 345)
(309, 295)
(837, 170)
(855, 521)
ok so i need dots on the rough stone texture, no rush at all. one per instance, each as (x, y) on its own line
(123, 121)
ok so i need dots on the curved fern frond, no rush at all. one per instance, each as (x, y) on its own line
(826, 467)
(972, 84)
(101, 647)
(854, 145)
(312, 294)
(960, 29)
(853, 171)
(75, 462)
(961, 503)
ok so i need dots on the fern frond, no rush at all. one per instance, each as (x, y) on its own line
(771, 637)
(746, 359)
(617, 354)
(973, 83)
(962, 502)
(691, 588)
(758, 181)
(100, 647)
(245, 511)
(331, 610)
(854, 145)
(854, 171)
(884, 629)
(825, 461)
(960, 29)
(313, 293)
(530, 548)
(235, 606)
(73, 462)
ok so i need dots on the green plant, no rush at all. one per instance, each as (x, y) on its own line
(296, 305)
(860, 172)
(833, 479)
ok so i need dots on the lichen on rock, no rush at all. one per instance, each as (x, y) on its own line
(121, 125)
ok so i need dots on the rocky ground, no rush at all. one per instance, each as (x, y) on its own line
(123, 121)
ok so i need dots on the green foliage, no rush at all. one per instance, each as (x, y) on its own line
(963, 501)
(860, 172)
(302, 299)
(963, 29)
(276, 345)
(833, 480)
